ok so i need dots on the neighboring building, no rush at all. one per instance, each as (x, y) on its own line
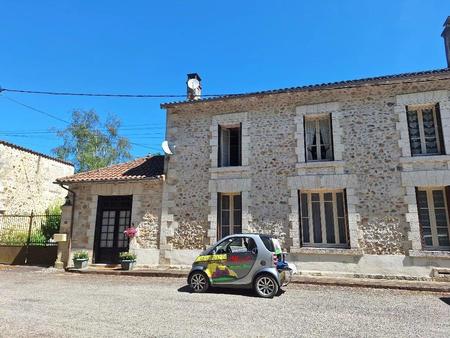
(27, 180)
(352, 176)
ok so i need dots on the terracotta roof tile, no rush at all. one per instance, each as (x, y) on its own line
(142, 168)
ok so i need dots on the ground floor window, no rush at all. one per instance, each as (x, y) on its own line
(434, 222)
(229, 214)
(323, 218)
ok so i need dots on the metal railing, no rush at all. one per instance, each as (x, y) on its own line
(26, 230)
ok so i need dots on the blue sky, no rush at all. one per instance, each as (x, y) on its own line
(148, 47)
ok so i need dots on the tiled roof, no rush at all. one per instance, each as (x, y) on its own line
(150, 167)
(322, 86)
(15, 146)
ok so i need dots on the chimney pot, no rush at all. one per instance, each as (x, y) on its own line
(194, 86)
(446, 35)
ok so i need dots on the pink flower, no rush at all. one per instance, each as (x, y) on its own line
(131, 232)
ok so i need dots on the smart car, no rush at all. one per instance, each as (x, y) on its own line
(242, 261)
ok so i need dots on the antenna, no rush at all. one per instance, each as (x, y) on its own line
(168, 149)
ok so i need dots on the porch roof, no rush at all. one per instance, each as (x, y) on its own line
(149, 167)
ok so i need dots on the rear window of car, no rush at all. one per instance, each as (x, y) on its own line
(268, 243)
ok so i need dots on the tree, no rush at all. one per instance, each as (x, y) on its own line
(91, 144)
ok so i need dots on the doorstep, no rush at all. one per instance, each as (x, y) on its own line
(412, 285)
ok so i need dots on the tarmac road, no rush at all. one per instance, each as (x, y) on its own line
(42, 302)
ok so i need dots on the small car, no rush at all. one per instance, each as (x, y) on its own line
(242, 261)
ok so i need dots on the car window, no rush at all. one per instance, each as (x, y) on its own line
(236, 245)
(268, 243)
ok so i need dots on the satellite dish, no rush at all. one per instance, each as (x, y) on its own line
(193, 83)
(168, 149)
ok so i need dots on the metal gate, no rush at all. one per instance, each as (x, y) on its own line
(27, 239)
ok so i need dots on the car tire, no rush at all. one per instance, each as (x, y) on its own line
(266, 286)
(198, 282)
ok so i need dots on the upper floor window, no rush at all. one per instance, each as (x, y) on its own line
(318, 139)
(425, 131)
(434, 222)
(323, 218)
(230, 146)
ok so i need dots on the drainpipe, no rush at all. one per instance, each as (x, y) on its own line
(72, 213)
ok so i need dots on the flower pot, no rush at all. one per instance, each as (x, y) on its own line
(127, 265)
(80, 263)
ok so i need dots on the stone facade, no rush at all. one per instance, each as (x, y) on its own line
(145, 215)
(27, 180)
(371, 162)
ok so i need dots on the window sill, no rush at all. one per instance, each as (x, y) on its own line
(327, 251)
(424, 158)
(235, 169)
(320, 164)
(429, 254)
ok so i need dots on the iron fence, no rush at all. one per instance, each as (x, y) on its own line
(26, 230)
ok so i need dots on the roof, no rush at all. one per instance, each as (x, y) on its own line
(150, 167)
(15, 146)
(322, 86)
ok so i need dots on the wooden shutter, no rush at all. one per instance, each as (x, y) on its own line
(219, 214)
(219, 154)
(331, 137)
(240, 144)
(439, 129)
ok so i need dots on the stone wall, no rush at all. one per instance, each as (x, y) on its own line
(369, 151)
(145, 213)
(27, 180)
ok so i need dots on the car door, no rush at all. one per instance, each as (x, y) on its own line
(241, 256)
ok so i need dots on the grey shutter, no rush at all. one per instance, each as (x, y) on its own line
(240, 144)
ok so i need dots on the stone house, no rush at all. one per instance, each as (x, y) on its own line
(27, 180)
(352, 176)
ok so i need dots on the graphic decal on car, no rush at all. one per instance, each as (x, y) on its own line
(220, 273)
(210, 258)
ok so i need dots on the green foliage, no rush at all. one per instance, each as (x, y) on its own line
(91, 144)
(127, 256)
(51, 223)
(13, 237)
(81, 254)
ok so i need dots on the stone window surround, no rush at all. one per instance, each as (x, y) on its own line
(229, 120)
(411, 180)
(332, 108)
(323, 182)
(432, 97)
(236, 185)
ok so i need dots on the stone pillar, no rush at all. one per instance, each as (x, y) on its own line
(63, 247)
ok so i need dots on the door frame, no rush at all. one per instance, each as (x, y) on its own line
(111, 202)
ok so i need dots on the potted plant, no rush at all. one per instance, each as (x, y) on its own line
(127, 260)
(80, 259)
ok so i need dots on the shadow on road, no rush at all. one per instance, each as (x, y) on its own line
(228, 291)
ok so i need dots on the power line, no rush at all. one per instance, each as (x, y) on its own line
(24, 91)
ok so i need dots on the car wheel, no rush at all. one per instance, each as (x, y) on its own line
(266, 286)
(198, 282)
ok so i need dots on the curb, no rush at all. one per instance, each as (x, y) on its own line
(441, 287)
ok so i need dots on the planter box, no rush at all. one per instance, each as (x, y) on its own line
(80, 263)
(128, 265)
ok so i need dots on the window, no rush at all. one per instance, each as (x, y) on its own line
(230, 146)
(323, 218)
(235, 245)
(425, 132)
(433, 210)
(318, 141)
(230, 214)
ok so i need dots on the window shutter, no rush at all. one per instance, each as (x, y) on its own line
(219, 213)
(240, 144)
(219, 155)
(331, 137)
(300, 232)
(439, 129)
(447, 197)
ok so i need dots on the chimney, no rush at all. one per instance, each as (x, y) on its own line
(194, 86)
(446, 35)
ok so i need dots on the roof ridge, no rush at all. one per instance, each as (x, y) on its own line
(33, 152)
(317, 86)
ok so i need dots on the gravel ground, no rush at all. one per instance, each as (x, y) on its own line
(44, 302)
